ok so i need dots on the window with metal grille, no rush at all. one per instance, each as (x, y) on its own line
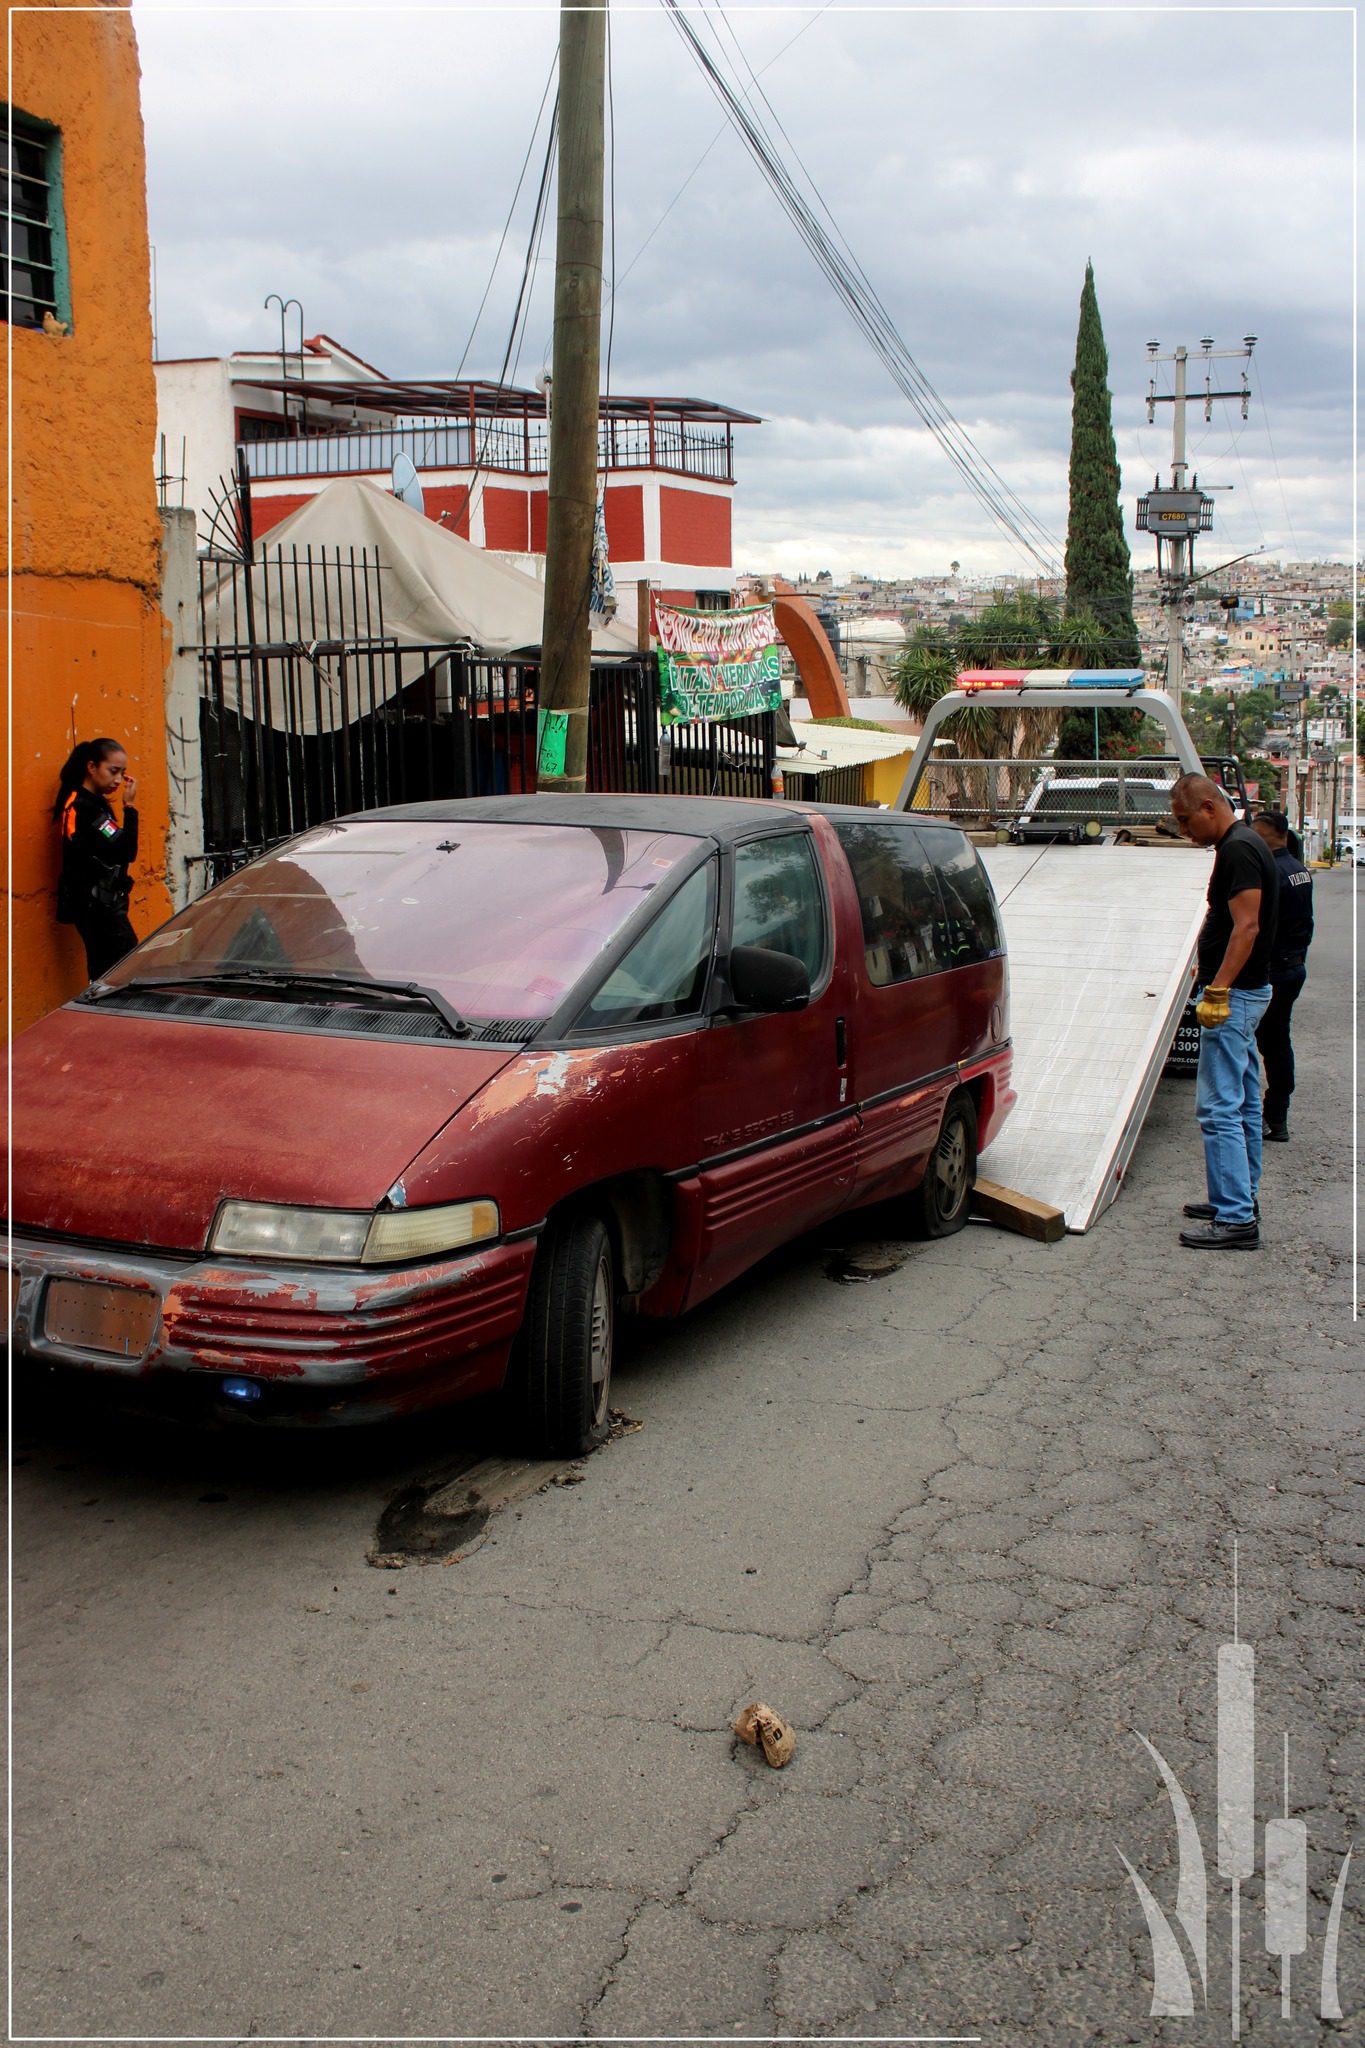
(34, 237)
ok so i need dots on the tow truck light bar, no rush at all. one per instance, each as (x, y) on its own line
(974, 679)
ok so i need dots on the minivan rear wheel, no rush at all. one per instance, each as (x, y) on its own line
(943, 1198)
(564, 1354)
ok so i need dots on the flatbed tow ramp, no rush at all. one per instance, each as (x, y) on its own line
(1101, 942)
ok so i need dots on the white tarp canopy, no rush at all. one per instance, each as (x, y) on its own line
(433, 588)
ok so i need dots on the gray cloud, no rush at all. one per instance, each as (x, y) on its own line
(364, 163)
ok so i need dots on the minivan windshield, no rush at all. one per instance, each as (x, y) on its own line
(500, 920)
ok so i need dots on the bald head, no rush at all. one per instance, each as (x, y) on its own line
(1198, 789)
(1201, 809)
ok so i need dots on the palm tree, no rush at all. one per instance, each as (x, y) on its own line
(1019, 631)
(926, 668)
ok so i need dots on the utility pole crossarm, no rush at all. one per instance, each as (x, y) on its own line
(1174, 516)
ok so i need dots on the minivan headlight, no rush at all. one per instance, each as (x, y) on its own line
(350, 1237)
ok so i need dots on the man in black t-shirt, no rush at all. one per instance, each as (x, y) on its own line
(1233, 984)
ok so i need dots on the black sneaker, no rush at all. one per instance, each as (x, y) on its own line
(1277, 1134)
(1204, 1212)
(1223, 1237)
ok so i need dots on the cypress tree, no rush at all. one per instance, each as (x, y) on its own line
(1099, 578)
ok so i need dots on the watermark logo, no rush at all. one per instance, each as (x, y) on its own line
(1177, 1967)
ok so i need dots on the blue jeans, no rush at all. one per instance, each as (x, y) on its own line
(1227, 1102)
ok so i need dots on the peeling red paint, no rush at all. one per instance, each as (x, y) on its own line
(329, 1122)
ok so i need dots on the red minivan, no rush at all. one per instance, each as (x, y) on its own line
(407, 1109)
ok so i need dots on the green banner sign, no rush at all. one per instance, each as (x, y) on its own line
(717, 664)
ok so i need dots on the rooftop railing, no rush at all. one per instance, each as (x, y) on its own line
(521, 446)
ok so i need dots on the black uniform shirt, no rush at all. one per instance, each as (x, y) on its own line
(1243, 861)
(1294, 931)
(96, 855)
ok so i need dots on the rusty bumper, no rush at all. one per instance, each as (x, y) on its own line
(395, 1338)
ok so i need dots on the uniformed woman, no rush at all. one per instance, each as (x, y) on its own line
(97, 851)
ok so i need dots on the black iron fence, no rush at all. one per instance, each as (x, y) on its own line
(629, 747)
(822, 785)
(294, 735)
(320, 712)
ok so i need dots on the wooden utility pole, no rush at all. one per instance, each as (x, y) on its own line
(566, 649)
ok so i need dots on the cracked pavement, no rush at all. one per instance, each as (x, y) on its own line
(966, 1527)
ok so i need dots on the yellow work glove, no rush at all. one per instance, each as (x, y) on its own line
(1213, 1008)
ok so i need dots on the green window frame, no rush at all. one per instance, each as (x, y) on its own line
(37, 280)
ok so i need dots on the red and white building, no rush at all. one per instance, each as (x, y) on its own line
(481, 452)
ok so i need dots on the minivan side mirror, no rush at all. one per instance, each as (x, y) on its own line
(764, 980)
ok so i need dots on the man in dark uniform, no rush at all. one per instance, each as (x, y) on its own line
(1288, 970)
(1233, 990)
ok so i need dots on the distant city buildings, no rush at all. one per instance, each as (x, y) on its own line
(1267, 626)
(1280, 621)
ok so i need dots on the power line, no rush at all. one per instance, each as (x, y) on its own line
(856, 271)
(507, 224)
(709, 147)
(855, 290)
(1265, 415)
(521, 310)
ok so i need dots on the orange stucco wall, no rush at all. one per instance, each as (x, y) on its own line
(88, 637)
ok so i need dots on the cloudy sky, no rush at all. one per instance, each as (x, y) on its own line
(363, 161)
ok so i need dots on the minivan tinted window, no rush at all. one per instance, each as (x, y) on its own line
(972, 922)
(778, 900)
(904, 933)
(501, 919)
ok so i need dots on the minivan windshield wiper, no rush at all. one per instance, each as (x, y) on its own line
(292, 979)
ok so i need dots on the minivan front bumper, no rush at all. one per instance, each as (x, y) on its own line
(391, 1339)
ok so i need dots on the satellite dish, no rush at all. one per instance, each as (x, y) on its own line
(405, 485)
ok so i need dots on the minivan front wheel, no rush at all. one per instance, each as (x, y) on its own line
(944, 1197)
(567, 1338)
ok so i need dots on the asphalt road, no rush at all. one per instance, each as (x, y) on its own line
(967, 1526)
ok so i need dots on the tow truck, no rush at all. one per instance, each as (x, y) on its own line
(1101, 944)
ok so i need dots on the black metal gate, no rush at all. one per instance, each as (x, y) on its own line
(299, 726)
(630, 748)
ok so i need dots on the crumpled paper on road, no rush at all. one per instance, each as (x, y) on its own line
(759, 1724)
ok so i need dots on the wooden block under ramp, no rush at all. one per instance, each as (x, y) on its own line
(1014, 1211)
(494, 1483)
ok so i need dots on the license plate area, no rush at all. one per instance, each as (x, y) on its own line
(91, 1315)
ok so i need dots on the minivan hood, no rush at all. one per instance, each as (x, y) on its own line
(133, 1129)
